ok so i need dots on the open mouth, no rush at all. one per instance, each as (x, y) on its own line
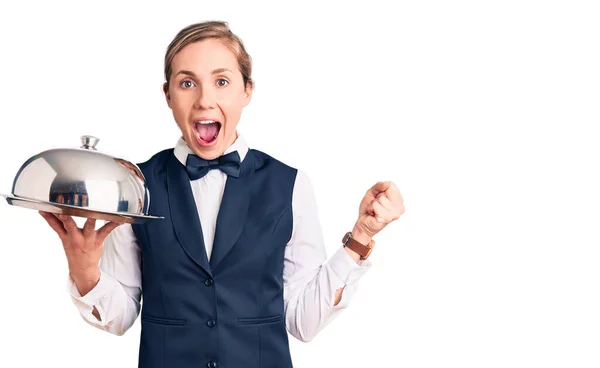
(207, 131)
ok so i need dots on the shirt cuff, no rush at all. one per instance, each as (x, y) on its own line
(347, 296)
(348, 271)
(85, 304)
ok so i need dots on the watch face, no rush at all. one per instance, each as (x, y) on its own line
(346, 238)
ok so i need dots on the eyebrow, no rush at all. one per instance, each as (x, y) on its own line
(216, 71)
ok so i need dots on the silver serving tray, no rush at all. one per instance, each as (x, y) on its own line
(65, 209)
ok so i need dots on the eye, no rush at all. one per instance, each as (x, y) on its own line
(221, 82)
(187, 84)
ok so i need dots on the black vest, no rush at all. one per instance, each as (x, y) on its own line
(226, 313)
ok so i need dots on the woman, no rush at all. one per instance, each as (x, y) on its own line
(239, 258)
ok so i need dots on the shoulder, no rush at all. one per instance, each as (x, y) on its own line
(300, 179)
(280, 174)
(264, 161)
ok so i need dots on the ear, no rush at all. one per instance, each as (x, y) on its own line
(248, 93)
(167, 95)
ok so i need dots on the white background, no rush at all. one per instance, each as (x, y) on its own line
(483, 114)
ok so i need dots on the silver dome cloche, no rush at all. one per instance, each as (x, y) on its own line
(82, 182)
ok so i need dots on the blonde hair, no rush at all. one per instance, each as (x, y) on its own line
(211, 29)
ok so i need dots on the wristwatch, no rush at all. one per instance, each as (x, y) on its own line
(363, 250)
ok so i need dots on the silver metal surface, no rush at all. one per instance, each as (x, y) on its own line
(82, 182)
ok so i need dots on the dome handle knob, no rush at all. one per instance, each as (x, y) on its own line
(89, 142)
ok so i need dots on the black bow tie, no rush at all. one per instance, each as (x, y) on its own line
(197, 167)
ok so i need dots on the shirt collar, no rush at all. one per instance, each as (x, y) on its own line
(182, 150)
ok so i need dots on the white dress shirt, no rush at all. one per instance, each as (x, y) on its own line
(310, 279)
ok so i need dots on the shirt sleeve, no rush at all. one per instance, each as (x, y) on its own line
(118, 293)
(310, 279)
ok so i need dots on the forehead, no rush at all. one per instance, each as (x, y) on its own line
(204, 56)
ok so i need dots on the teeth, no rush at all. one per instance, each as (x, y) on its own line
(207, 121)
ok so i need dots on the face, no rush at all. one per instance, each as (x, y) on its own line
(207, 94)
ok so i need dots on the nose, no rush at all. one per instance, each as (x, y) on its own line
(206, 98)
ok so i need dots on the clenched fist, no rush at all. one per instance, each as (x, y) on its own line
(381, 205)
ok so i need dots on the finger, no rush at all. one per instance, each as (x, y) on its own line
(394, 194)
(385, 202)
(381, 214)
(394, 202)
(379, 187)
(68, 223)
(54, 223)
(393, 209)
(89, 226)
(383, 194)
(376, 210)
(107, 228)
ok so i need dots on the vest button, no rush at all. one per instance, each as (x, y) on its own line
(208, 282)
(212, 364)
(211, 323)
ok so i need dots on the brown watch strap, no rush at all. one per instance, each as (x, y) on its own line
(363, 250)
